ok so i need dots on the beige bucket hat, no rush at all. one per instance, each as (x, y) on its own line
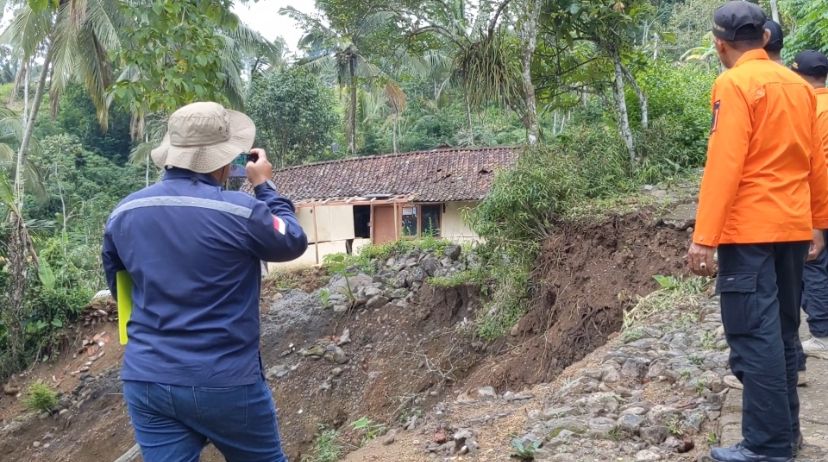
(204, 137)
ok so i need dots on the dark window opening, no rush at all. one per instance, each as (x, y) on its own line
(362, 221)
(409, 221)
(431, 220)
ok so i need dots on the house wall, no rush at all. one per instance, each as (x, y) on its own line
(335, 224)
(453, 227)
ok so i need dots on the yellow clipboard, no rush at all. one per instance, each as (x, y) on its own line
(123, 284)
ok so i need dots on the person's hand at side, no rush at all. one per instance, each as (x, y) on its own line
(700, 259)
(261, 170)
(817, 244)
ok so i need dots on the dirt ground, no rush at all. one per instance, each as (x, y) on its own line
(401, 362)
(584, 279)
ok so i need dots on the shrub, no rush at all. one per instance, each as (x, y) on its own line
(519, 210)
(369, 429)
(41, 398)
(326, 448)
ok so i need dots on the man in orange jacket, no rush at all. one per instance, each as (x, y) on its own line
(776, 41)
(763, 193)
(813, 67)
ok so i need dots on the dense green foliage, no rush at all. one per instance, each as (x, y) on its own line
(295, 116)
(77, 117)
(810, 31)
(173, 55)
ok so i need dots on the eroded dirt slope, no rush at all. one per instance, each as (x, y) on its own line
(403, 353)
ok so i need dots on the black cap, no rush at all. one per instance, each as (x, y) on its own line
(776, 42)
(738, 20)
(811, 63)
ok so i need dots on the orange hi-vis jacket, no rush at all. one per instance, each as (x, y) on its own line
(765, 179)
(822, 116)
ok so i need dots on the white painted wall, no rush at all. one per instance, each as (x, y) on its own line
(333, 222)
(453, 227)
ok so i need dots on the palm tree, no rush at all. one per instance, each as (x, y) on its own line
(774, 10)
(340, 49)
(19, 247)
(477, 49)
(72, 40)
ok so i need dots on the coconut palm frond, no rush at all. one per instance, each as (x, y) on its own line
(94, 70)
(230, 63)
(306, 21)
(27, 31)
(395, 96)
(374, 22)
(487, 72)
(155, 128)
(140, 153)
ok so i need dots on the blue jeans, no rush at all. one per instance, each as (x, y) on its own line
(174, 423)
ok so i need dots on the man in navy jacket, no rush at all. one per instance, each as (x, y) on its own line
(192, 369)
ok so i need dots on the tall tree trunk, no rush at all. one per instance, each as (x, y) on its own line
(147, 162)
(28, 129)
(25, 93)
(469, 116)
(352, 108)
(621, 106)
(19, 247)
(529, 31)
(394, 129)
(642, 97)
(655, 47)
(774, 10)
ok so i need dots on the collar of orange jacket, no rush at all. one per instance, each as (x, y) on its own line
(821, 91)
(752, 55)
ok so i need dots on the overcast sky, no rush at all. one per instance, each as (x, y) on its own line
(264, 17)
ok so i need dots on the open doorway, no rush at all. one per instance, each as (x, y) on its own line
(362, 221)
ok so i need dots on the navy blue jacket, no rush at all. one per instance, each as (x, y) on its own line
(193, 251)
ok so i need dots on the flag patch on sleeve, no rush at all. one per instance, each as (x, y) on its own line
(715, 122)
(279, 225)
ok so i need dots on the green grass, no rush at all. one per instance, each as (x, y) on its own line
(674, 293)
(325, 297)
(616, 433)
(471, 276)
(524, 450)
(326, 448)
(712, 439)
(708, 341)
(372, 256)
(701, 387)
(674, 426)
(369, 429)
(41, 398)
(631, 335)
(509, 302)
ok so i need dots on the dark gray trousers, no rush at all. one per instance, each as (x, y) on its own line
(761, 289)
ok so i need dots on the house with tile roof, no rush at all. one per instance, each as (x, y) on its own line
(346, 204)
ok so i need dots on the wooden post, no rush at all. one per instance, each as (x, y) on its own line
(371, 224)
(397, 220)
(418, 210)
(315, 234)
